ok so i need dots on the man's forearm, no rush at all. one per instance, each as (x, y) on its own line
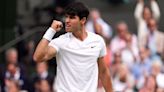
(104, 75)
(42, 47)
(41, 50)
(106, 81)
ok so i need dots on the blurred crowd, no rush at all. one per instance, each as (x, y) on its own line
(135, 61)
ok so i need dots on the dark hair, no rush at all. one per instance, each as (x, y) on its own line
(77, 8)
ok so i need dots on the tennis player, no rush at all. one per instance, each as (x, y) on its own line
(79, 53)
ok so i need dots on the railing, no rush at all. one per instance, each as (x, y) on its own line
(18, 39)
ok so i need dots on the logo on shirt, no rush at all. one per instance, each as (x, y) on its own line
(93, 46)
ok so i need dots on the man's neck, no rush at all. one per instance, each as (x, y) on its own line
(81, 34)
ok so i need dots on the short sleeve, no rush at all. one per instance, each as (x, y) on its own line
(54, 43)
(103, 51)
(59, 42)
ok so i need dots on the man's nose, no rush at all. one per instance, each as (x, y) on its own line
(67, 20)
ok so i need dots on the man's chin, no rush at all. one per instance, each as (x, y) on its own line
(68, 30)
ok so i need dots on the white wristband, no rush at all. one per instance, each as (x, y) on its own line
(49, 34)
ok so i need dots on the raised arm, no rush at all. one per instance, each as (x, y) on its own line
(44, 52)
(155, 9)
(139, 10)
(95, 15)
(104, 75)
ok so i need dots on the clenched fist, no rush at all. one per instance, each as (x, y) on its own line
(56, 25)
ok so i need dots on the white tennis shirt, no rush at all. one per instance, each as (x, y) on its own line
(77, 69)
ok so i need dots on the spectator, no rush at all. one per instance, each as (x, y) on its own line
(116, 63)
(43, 86)
(129, 54)
(154, 39)
(156, 72)
(150, 84)
(118, 43)
(12, 86)
(11, 56)
(124, 81)
(141, 68)
(97, 25)
(42, 73)
(14, 73)
(142, 14)
(156, 68)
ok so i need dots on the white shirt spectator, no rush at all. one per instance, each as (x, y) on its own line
(141, 23)
(107, 30)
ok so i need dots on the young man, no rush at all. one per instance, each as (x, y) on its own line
(79, 53)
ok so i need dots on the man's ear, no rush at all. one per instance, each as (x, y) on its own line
(83, 20)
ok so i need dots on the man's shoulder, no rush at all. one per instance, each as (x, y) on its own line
(66, 35)
(160, 32)
(95, 36)
(61, 39)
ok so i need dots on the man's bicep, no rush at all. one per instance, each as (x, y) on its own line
(101, 65)
(51, 52)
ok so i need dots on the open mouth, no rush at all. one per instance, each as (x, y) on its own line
(68, 26)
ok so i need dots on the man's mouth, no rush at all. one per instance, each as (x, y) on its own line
(68, 26)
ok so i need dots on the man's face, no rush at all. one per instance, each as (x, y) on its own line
(122, 30)
(41, 67)
(152, 25)
(72, 23)
(12, 57)
(12, 68)
(146, 13)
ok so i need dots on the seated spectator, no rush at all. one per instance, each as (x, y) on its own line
(129, 54)
(43, 86)
(14, 73)
(116, 63)
(119, 41)
(124, 81)
(155, 37)
(149, 84)
(42, 73)
(11, 56)
(156, 68)
(143, 14)
(142, 67)
(13, 67)
(12, 86)
(157, 73)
